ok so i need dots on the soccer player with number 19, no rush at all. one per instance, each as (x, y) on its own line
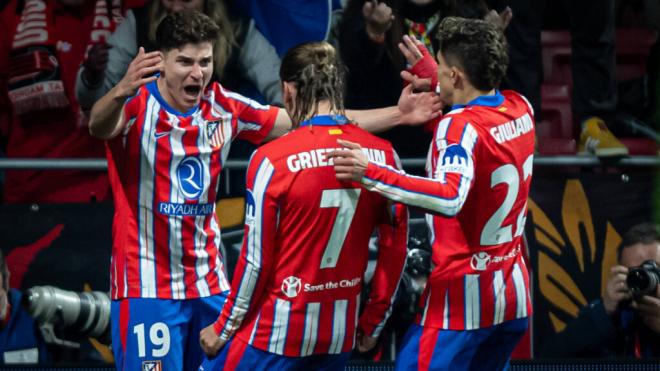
(168, 137)
(476, 302)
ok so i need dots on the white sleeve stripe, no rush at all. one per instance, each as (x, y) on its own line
(247, 101)
(253, 249)
(446, 206)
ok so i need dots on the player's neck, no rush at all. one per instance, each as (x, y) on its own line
(325, 109)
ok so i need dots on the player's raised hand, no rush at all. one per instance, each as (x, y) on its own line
(210, 341)
(378, 18)
(139, 72)
(418, 108)
(350, 163)
(422, 72)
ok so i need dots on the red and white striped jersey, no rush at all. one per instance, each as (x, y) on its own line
(296, 287)
(164, 170)
(479, 171)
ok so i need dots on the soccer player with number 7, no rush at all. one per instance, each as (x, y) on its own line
(295, 295)
(476, 302)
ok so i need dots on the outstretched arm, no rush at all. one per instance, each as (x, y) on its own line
(106, 119)
(444, 193)
(255, 262)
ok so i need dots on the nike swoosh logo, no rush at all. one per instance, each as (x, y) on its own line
(161, 134)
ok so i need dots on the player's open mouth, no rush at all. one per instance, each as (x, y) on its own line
(192, 90)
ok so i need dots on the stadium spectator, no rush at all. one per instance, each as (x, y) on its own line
(168, 136)
(479, 173)
(292, 22)
(593, 66)
(369, 35)
(20, 339)
(242, 53)
(618, 324)
(41, 117)
(302, 260)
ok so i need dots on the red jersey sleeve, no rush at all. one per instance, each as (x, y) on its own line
(256, 258)
(254, 121)
(392, 250)
(445, 190)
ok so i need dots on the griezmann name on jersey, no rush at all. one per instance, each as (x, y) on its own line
(296, 287)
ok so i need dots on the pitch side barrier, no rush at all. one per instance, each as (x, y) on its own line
(549, 161)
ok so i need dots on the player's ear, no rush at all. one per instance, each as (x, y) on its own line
(289, 93)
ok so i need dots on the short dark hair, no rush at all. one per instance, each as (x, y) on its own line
(645, 233)
(478, 47)
(185, 27)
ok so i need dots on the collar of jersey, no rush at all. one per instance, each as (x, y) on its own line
(483, 100)
(152, 87)
(326, 120)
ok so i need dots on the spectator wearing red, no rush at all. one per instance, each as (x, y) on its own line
(43, 44)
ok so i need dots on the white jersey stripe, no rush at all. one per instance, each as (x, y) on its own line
(521, 292)
(311, 329)
(357, 316)
(500, 297)
(146, 197)
(472, 309)
(254, 329)
(201, 237)
(388, 313)
(253, 246)
(175, 222)
(280, 326)
(338, 326)
(426, 308)
(445, 312)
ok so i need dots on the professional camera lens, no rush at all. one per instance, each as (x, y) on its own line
(87, 313)
(644, 279)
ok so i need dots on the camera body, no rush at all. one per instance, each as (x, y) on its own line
(644, 279)
(85, 313)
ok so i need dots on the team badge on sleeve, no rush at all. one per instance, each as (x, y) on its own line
(454, 160)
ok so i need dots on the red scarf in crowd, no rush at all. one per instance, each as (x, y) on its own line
(34, 74)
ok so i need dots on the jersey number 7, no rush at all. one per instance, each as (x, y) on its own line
(346, 200)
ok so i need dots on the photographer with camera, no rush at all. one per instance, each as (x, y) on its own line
(20, 339)
(625, 322)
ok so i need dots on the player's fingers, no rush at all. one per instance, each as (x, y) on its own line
(344, 162)
(343, 176)
(406, 54)
(412, 47)
(407, 76)
(348, 144)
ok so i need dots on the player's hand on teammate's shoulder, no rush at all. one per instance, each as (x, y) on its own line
(350, 163)
(140, 71)
(210, 341)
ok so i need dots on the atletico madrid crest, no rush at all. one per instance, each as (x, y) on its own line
(215, 133)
